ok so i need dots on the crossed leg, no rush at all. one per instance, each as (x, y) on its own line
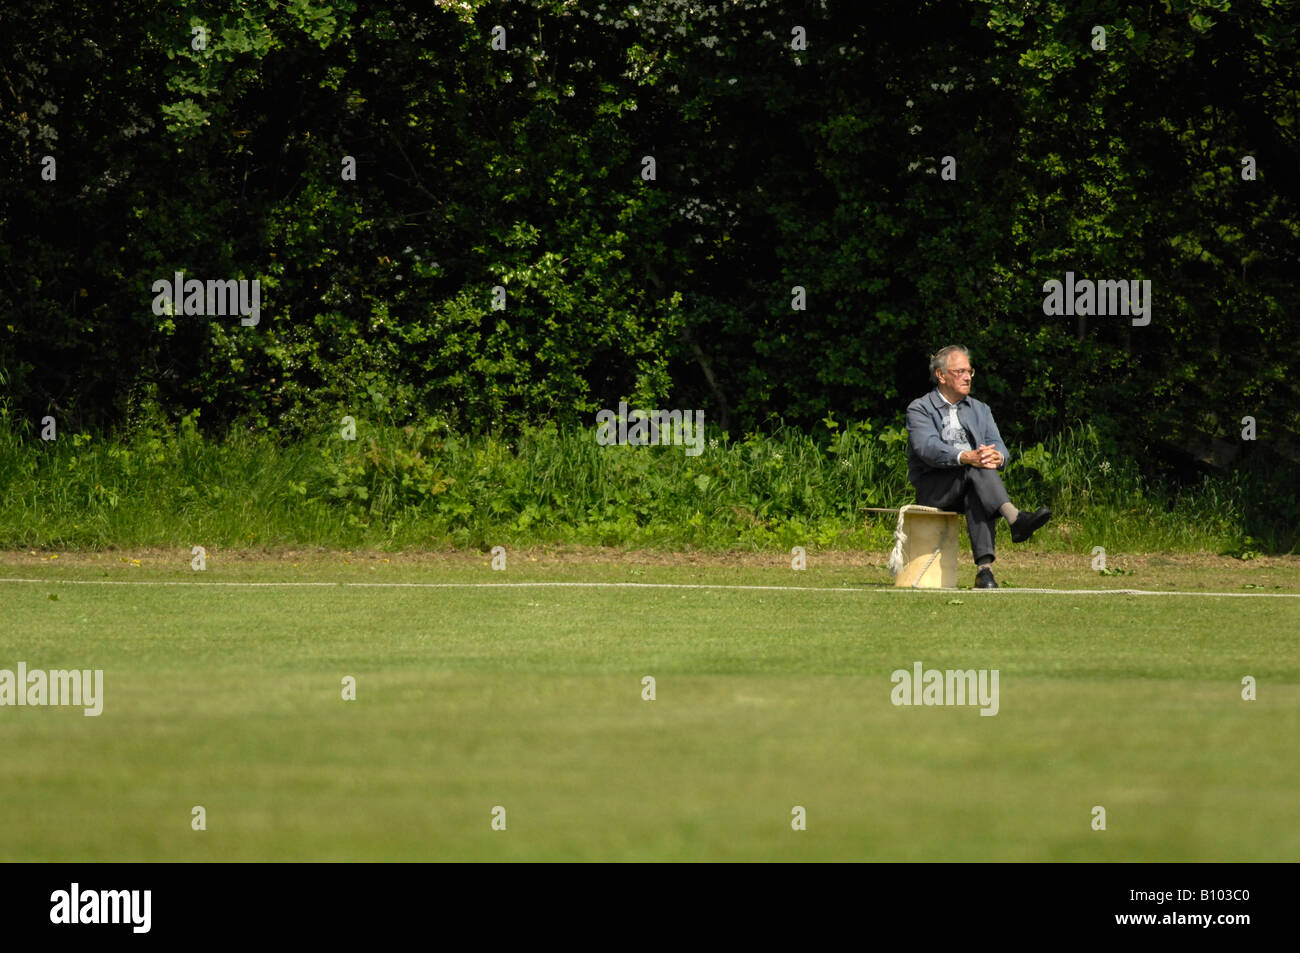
(976, 491)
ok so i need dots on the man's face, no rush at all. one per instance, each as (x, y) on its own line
(957, 379)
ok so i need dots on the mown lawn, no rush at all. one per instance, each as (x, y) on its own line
(470, 698)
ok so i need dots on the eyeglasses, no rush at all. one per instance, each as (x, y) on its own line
(962, 373)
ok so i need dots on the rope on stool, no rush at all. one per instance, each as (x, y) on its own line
(900, 539)
(895, 563)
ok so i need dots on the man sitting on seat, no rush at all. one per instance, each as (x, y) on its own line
(954, 453)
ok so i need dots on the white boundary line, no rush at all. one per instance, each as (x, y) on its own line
(636, 585)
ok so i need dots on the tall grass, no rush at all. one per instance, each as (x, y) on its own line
(167, 484)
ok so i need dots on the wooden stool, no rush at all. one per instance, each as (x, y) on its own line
(928, 547)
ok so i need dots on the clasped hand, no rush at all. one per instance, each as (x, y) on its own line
(985, 456)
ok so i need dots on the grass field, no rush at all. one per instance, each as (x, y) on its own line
(227, 695)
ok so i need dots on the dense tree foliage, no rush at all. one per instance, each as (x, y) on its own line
(775, 167)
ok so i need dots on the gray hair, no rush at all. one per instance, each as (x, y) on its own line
(940, 360)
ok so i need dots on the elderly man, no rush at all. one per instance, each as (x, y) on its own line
(954, 453)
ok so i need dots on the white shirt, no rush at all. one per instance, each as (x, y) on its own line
(954, 433)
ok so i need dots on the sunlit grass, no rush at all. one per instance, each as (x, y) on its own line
(404, 486)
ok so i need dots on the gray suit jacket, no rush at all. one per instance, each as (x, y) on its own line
(926, 417)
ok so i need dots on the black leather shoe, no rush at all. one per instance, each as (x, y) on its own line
(984, 579)
(1026, 523)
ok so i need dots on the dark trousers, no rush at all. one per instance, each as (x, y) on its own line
(977, 491)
